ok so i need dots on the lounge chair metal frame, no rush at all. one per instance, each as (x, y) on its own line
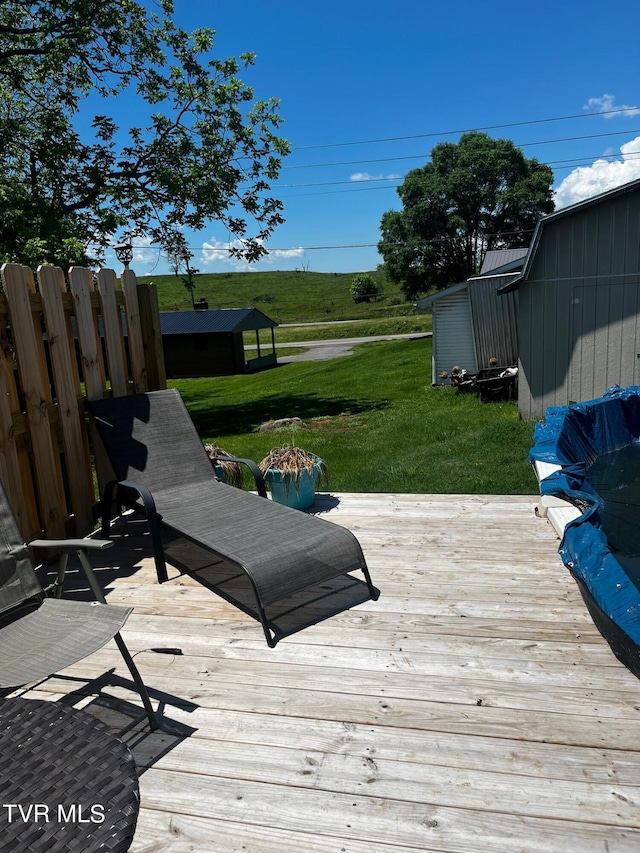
(135, 494)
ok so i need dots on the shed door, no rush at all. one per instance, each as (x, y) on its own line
(453, 343)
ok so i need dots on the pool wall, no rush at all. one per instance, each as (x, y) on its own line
(573, 437)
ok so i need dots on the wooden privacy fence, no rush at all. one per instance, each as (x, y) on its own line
(62, 341)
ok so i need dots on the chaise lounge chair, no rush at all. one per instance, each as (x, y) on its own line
(160, 464)
(41, 634)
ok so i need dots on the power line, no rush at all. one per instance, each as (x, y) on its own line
(350, 245)
(418, 156)
(561, 164)
(627, 110)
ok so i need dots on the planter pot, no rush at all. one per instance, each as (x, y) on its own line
(298, 491)
(220, 473)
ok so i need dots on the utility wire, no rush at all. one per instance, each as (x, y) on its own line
(561, 164)
(361, 245)
(627, 110)
(417, 156)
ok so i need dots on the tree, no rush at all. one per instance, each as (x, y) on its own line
(476, 195)
(199, 148)
(189, 281)
(363, 288)
(179, 256)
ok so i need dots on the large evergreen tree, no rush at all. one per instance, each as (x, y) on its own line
(476, 195)
(198, 146)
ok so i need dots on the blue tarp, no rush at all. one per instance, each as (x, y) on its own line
(596, 443)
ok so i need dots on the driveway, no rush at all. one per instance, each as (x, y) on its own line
(325, 350)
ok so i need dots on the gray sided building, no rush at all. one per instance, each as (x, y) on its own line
(472, 323)
(579, 303)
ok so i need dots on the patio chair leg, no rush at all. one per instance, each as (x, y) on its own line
(271, 641)
(373, 592)
(106, 502)
(124, 651)
(55, 589)
(158, 548)
(155, 527)
(137, 678)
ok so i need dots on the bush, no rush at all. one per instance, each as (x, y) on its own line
(364, 288)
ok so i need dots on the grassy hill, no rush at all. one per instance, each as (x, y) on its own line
(287, 296)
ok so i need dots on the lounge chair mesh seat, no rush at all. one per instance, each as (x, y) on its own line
(56, 635)
(39, 635)
(152, 443)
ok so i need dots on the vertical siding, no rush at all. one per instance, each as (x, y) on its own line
(605, 327)
(452, 335)
(494, 320)
(578, 309)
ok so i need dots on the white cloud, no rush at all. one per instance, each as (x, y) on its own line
(143, 251)
(602, 175)
(216, 252)
(607, 104)
(365, 176)
(276, 254)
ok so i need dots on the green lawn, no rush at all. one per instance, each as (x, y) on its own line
(376, 421)
(355, 329)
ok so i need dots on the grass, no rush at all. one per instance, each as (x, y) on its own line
(375, 420)
(330, 331)
(287, 297)
(356, 329)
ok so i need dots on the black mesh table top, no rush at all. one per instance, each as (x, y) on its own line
(67, 783)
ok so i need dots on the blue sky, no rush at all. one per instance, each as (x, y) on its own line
(352, 74)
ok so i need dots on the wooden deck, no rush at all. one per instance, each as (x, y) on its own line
(473, 706)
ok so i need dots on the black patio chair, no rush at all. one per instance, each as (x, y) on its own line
(161, 465)
(42, 633)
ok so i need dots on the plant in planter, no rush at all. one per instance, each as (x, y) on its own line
(292, 474)
(229, 472)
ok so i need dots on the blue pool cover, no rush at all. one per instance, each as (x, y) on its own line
(597, 444)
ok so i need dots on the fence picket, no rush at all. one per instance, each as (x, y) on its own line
(81, 282)
(67, 384)
(45, 455)
(22, 501)
(113, 337)
(29, 347)
(15, 467)
(134, 332)
(152, 336)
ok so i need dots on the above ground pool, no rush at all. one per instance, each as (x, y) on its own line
(597, 446)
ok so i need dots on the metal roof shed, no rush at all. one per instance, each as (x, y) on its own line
(211, 342)
(472, 324)
(579, 302)
(504, 260)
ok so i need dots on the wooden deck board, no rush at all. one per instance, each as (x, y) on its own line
(473, 705)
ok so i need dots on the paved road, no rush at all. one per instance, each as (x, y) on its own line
(324, 350)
